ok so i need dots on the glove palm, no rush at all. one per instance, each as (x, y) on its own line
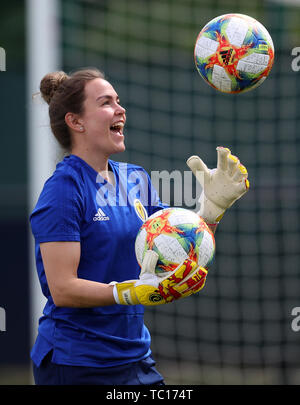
(222, 185)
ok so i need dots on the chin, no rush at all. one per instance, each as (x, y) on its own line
(119, 149)
(122, 150)
(122, 147)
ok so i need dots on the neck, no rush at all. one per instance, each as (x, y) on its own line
(97, 161)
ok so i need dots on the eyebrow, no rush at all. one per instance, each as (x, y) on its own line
(106, 96)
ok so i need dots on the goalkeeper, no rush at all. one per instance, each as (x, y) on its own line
(92, 329)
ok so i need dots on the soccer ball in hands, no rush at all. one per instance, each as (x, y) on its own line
(234, 53)
(175, 234)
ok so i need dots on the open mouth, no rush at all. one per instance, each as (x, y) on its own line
(117, 128)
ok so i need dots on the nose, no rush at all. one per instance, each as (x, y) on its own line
(120, 110)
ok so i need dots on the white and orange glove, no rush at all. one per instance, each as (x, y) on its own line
(222, 185)
(188, 278)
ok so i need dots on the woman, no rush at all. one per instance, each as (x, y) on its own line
(84, 224)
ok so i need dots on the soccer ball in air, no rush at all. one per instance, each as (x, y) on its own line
(234, 53)
(175, 234)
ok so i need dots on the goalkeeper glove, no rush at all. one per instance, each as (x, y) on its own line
(222, 185)
(188, 278)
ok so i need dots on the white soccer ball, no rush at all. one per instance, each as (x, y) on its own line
(175, 234)
(234, 53)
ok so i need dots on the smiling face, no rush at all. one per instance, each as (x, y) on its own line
(103, 119)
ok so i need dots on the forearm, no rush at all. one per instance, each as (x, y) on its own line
(81, 293)
(61, 261)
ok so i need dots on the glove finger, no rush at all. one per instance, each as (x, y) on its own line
(193, 283)
(245, 185)
(233, 164)
(187, 279)
(194, 278)
(198, 167)
(222, 157)
(149, 262)
(240, 174)
(185, 268)
(193, 289)
(195, 275)
(241, 188)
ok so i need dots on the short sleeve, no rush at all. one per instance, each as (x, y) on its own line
(58, 213)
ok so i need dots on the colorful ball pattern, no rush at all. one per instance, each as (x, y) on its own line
(234, 53)
(175, 234)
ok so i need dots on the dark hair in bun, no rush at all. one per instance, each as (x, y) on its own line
(50, 83)
(65, 93)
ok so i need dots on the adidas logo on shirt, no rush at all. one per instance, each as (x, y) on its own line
(100, 216)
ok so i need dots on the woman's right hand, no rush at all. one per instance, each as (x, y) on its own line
(188, 278)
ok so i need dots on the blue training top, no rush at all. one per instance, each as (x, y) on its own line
(77, 204)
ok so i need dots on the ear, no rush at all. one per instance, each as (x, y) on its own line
(74, 122)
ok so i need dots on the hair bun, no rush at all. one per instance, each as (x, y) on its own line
(50, 83)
